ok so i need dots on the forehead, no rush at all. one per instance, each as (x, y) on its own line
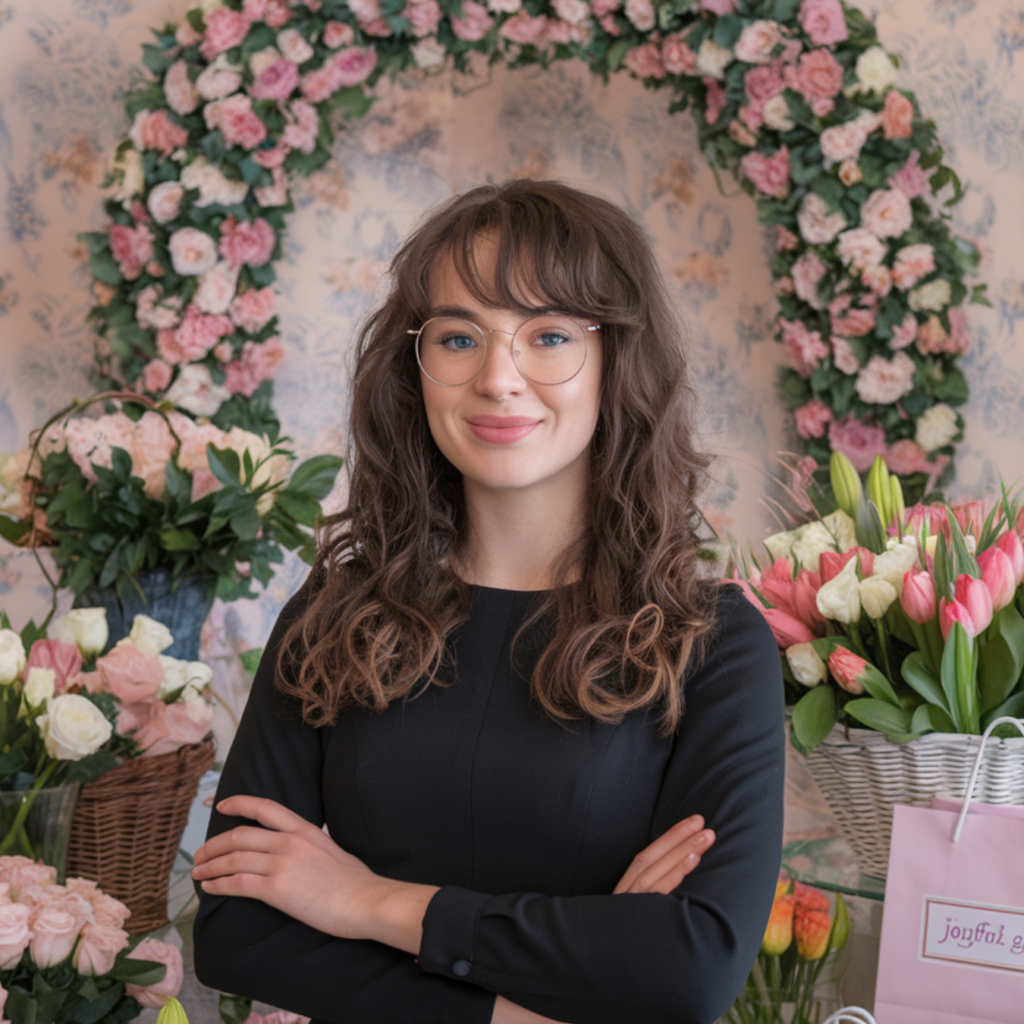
(484, 277)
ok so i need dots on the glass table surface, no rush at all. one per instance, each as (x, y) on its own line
(829, 863)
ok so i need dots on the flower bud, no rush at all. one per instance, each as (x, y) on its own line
(847, 668)
(85, 627)
(12, 656)
(997, 575)
(812, 922)
(779, 933)
(971, 607)
(896, 504)
(918, 597)
(878, 489)
(806, 666)
(1010, 545)
(846, 484)
(172, 1012)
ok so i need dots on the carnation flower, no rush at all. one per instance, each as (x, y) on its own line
(474, 24)
(132, 248)
(236, 120)
(181, 94)
(157, 131)
(156, 375)
(813, 418)
(887, 213)
(808, 272)
(276, 82)
(302, 128)
(712, 59)
(936, 427)
(246, 242)
(845, 141)
(193, 338)
(193, 252)
(910, 179)
(224, 30)
(425, 15)
(844, 358)
(897, 115)
(823, 21)
(253, 309)
(806, 347)
(677, 56)
(293, 46)
(770, 174)
(817, 224)
(933, 295)
(257, 364)
(152, 309)
(337, 33)
(884, 381)
(860, 442)
(875, 72)
(912, 263)
(818, 77)
(904, 334)
(195, 391)
(645, 61)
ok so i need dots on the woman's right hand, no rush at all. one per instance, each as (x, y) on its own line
(659, 868)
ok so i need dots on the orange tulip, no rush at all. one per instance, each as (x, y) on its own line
(779, 933)
(812, 922)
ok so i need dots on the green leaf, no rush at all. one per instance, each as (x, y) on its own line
(814, 715)
(179, 540)
(89, 768)
(617, 53)
(315, 477)
(877, 714)
(250, 659)
(916, 674)
(1001, 659)
(878, 686)
(224, 464)
(1012, 707)
(138, 972)
(98, 1007)
(963, 562)
(13, 529)
(246, 524)
(234, 1009)
(302, 509)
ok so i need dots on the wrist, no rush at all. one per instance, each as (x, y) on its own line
(397, 912)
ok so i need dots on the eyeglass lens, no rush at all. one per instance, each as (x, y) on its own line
(546, 349)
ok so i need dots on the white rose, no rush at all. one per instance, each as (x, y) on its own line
(164, 201)
(933, 295)
(876, 595)
(818, 225)
(574, 11)
(263, 59)
(40, 686)
(219, 80)
(213, 185)
(217, 288)
(839, 599)
(936, 427)
(894, 564)
(150, 636)
(198, 675)
(805, 664)
(293, 46)
(712, 59)
(776, 113)
(875, 72)
(193, 252)
(195, 391)
(133, 178)
(73, 727)
(174, 680)
(429, 53)
(12, 656)
(85, 627)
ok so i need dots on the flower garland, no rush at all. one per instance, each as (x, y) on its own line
(796, 98)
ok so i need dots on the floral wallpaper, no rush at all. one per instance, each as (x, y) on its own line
(65, 64)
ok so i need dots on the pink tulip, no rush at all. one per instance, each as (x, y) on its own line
(932, 516)
(918, 599)
(847, 668)
(64, 659)
(777, 586)
(805, 598)
(832, 563)
(971, 607)
(1010, 545)
(970, 515)
(997, 575)
(787, 629)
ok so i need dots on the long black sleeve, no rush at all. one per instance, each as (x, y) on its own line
(527, 826)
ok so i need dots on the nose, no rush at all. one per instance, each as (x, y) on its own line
(499, 377)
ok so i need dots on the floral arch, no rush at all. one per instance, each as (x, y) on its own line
(795, 98)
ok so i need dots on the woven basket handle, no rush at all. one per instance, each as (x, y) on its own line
(1005, 720)
(850, 1015)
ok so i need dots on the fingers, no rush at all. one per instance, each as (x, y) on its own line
(268, 813)
(666, 842)
(661, 866)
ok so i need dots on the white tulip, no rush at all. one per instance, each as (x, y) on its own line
(150, 636)
(839, 599)
(12, 656)
(778, 545)
(876, 594)
(73, 727)
(805, 664)
(894, 564)
(85, 627)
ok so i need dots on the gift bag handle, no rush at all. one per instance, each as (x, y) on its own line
(850, 1015)
(1005, 720)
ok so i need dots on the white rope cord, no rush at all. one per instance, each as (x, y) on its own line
(850, 1015)
(977, 767)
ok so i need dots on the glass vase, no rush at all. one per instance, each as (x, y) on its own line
(36, 823)
(805, 993)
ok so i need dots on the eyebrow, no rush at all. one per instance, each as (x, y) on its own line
(467, 314)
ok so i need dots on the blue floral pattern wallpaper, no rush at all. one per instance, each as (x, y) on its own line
(66, 64)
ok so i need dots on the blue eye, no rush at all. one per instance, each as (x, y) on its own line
(458, 342)
(551, 339)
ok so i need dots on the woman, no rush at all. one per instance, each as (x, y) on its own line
(504, 688)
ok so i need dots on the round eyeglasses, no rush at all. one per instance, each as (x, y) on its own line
(548, 349)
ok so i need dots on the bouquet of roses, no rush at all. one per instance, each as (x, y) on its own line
(905, 621)
(65, 957)
(121, 493)
(805, 927)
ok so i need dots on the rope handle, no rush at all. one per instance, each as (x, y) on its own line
(850, 1015)
(1005, 720)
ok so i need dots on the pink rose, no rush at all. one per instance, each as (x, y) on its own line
(257, 364)
(474, 23)
(236, 120)
(823, 21)
(155, 996)
(905, 457)
(131, 717)
(910, 179)
(248, 242)
(762, 83)
(854, 323)
(860, 442)
(132, 248)
(181, 94)
(424, 17)
(216, 288)
(253, 309)
(274, 157)
(355, 64)
(196, 335)
(64, 659)
(904, 334)
(812, 418)
(164, 201)
(770, 174)
(274, 12)
(156, 376)
(719, 7)
(98, 946)
(808, 272)
(806, 347)
(224, 30)
(645, 61)
(845, 141)
(54, 932)
(885, 381)
(276, 82)
(175, 725)
(677, 56)
(897, 115)
(913, 262)
(337, 33)
(157, 131)
(601, 8)
(14, 934)
(523, 29)
(714, 103)
(130, 674)
(302, 128)
(843, 356)
(107, 911)
(818, 77)
(887, 213)
(878, 280)
(860, 249)
(193, 252)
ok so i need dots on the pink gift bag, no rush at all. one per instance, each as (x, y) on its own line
(952, 946)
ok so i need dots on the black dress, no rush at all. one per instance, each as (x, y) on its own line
(527, 826)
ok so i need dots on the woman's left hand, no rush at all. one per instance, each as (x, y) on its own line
(296, 867)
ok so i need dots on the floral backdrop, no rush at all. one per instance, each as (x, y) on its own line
(65, 64)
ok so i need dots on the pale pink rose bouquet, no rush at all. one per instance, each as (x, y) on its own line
(64, 953)
(905, 621)
(145, 487)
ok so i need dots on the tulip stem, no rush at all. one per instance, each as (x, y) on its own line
(17, 830)
(884, 648)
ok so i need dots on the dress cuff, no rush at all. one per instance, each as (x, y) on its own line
(449, 934)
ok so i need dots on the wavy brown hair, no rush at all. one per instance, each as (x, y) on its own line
(628, 612)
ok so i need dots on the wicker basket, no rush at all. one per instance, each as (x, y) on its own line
(862, 775)
(127, 827)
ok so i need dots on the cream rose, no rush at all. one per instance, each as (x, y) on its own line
(776, 113)
(133, 178)
(187, 679)
(712, 59)
(875, 72)
(934, 295)
(193, 252)
(429, 53)
(12, 656)
(73, 727)
(86, 627)
(40, 686)
(839, 599)
(936, 427)
(263, 59)
(293, 46)
(194, 390)
(164, 201)
(806, 666)
(876, 594)
(150, 636)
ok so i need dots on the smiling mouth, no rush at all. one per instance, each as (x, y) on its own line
(501, 429)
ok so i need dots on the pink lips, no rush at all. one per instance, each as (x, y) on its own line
(501, 429)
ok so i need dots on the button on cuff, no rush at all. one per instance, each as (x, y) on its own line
(461, 968)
